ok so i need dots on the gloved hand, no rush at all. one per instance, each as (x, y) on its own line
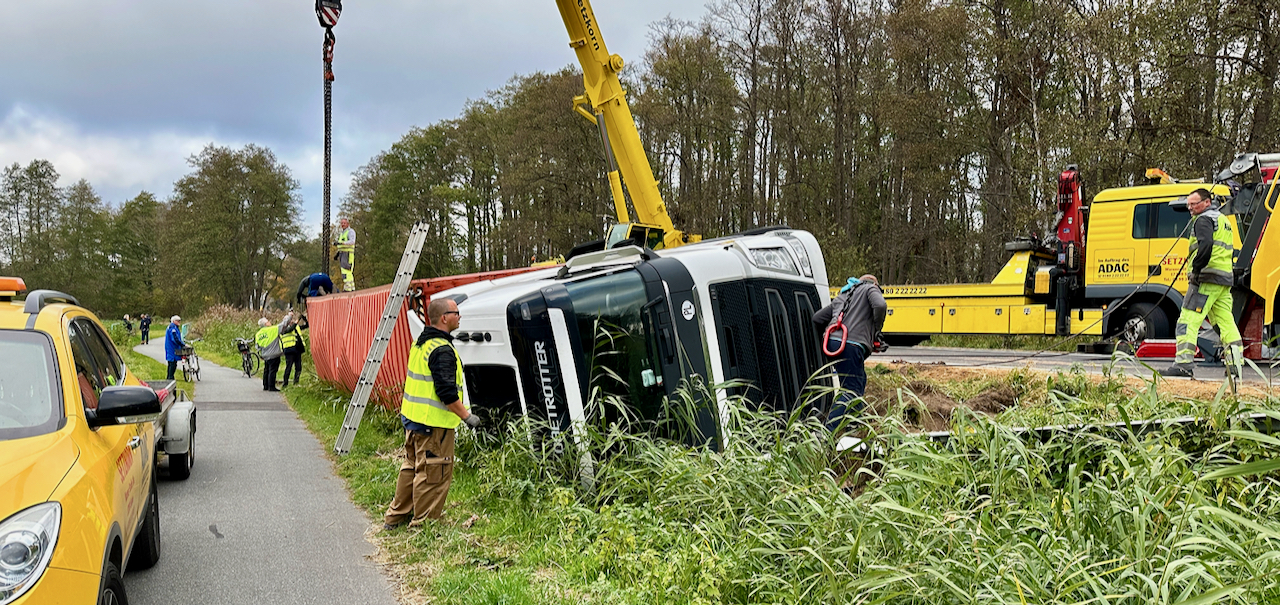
(1193, 279)
(473, 421)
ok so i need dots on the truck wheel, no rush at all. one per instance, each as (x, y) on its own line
(146, 553)
(180, 464)
(1144, 321)
(112, 587)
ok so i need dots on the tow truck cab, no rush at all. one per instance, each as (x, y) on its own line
(626, 327)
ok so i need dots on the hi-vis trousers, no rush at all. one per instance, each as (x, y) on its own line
(346, 263)
(1214, 302)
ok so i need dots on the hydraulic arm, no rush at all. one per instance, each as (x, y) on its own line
(605, 104)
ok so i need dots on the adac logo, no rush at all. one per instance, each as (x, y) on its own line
(1114, 267)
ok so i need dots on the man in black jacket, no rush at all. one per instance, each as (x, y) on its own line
(860, 309)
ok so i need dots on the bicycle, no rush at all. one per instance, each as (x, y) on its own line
(250, 361)
(190, 364)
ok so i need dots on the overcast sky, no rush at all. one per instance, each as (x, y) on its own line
(122, 92)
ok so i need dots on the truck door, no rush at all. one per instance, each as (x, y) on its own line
(122, 451)
(1118, 243)
(1167, 245)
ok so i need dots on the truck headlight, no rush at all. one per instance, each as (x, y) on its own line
(26, 545)
(797, 246)
(773, 259)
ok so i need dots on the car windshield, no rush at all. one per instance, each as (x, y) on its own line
(30, 403)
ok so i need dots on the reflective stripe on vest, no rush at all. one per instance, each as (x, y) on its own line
(420, 403)
(266, 336)
(289, 339)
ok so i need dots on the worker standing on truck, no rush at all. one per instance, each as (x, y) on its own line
(346, 255)
(173, 345)
(1208, 288)
(431, 410)
(852, 321)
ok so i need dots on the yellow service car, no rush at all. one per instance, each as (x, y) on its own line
(77, 456)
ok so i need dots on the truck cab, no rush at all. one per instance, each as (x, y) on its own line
(618, 332)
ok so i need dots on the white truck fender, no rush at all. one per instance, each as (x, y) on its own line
(179, 429)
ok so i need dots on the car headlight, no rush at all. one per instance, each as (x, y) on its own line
(773, 259)
(26, 545)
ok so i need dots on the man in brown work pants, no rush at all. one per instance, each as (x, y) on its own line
(430, 411)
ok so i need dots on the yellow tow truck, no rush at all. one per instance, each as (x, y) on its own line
(1114, 268)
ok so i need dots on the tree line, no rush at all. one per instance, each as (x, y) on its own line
(228, 234)
(913, 137)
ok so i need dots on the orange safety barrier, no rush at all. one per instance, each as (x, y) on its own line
(342, 326)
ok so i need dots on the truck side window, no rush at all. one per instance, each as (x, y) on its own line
(1141, 221)
(1170, 222)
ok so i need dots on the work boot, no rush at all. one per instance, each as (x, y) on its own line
(1179, 370)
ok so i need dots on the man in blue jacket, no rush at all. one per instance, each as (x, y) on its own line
(173, 344)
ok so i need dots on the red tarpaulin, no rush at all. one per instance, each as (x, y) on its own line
(342, 327)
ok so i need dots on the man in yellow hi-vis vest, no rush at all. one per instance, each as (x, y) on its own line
(430, 411)
(1209, 282)
(346, 255)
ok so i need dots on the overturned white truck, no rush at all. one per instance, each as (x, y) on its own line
(630, 325)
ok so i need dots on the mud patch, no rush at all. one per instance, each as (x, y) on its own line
(927, 408)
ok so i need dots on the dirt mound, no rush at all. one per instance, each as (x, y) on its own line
(926, 408)
(994, 400)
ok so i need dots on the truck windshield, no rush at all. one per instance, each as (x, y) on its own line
(614, 341)
(30, 403)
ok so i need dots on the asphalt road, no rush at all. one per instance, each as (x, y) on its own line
(1051, 361)
(263, 518)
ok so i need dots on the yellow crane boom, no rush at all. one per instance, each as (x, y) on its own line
(605, 105)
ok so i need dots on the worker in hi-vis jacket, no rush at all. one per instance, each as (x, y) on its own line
(1209, 284)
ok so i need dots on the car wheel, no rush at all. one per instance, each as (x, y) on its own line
(112, 587)
(147, 550)
(180, 464)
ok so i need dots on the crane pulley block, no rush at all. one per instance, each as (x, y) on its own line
(328, 11)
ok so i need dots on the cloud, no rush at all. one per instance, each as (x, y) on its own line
(117, 166)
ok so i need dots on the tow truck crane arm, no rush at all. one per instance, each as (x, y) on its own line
(605, 104)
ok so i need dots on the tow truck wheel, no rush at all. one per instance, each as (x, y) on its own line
(1144, 321)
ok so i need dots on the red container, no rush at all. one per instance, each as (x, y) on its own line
(342, 327)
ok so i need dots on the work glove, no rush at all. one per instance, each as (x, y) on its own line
(473, 421)
(1193, 279)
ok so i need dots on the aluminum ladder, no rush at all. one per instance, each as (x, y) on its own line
(381, 338)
